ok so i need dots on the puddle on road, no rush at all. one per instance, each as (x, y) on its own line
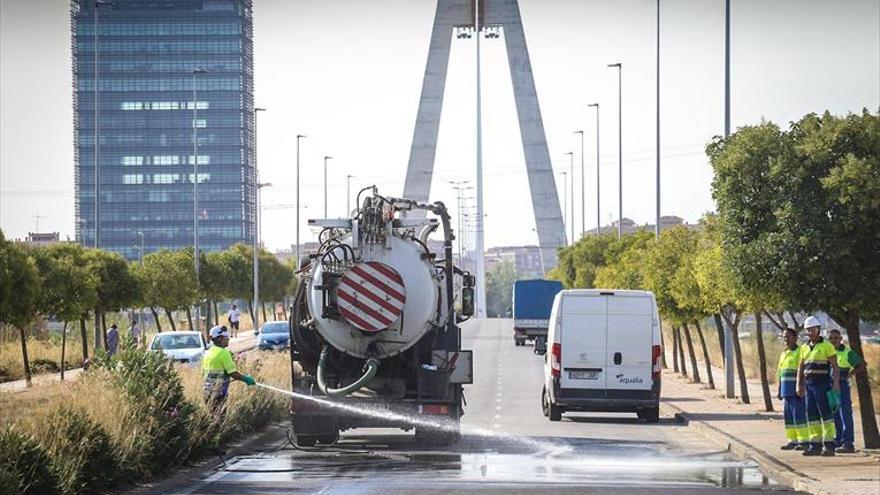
(713, 470)
(492, 456)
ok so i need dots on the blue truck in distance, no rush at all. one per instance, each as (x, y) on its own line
(532, 302)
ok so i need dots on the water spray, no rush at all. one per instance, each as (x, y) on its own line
(541, 446)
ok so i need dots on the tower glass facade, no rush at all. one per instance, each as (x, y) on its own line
(166, 71)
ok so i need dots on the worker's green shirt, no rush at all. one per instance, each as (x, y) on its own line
(218, 360)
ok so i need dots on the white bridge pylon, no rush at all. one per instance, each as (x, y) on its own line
(494, 15)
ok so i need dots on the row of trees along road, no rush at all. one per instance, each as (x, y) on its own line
(68, 282)
(797, 230)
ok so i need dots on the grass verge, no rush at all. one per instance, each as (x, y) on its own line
(127, 419)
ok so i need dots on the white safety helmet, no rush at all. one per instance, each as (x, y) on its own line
(811, 322)
(219, 331)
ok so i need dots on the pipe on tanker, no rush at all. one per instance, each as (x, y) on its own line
(371, 368)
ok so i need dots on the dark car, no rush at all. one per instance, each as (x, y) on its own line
(274, 335)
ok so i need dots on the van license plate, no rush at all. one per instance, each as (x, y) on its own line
(583, 375)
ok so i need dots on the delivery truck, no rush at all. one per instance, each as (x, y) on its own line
(532, 302)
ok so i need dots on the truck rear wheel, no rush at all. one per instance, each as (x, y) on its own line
(328, 439)
(649, 414)
(306, 440)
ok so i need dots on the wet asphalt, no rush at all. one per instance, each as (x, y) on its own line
(584, 453)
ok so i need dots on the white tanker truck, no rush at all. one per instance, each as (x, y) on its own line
(373, 323)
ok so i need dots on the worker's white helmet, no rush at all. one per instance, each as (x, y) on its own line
(219, 331)
(811, 322)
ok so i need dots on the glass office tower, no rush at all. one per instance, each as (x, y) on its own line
(166, 71)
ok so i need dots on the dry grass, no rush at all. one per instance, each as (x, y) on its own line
(45, 349)
(139, 427)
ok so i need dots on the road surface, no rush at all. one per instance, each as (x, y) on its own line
(507, 447)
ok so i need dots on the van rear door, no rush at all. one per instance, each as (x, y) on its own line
(583, 342)
(629, 345)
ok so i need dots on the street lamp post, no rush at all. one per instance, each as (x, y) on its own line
(257, 187)
(598, 189)
(141, 261)
(619, 67)
(257, 230)
(298, 250)
(459, 187)
(583, 187)
(195, 126)
(478, 225)
(325, 184)
(728, 334)
(657, 225)
(348, 194)
(565, 197)
(571, 173)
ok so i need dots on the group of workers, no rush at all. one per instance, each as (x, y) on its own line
(814, 386)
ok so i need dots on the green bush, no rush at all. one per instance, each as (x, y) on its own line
(85, 458)
(44, 366)
(159, 414)
(8, 481)
(26, 464)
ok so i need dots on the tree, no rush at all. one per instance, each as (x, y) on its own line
(834, 260)
(168, 280)
(662, 262)
(499, 288)
(579, 263)
(239, 260)
(686, 292)
(799, 214)
(19, 293)
(623, 267)
(718, 296)
(213, 281)
(116, 288)
(275, 279)
(67, 288)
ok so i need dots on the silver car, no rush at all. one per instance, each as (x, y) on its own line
(183, 347)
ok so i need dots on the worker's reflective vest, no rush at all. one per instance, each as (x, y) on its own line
(787, 371)
(843, 363)
(815, 357)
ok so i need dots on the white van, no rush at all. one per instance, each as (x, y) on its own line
(603, 354)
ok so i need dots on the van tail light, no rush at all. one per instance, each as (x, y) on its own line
(655, 362)
(556, 360)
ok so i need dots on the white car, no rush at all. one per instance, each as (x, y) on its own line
(183, 347)
(604, 354)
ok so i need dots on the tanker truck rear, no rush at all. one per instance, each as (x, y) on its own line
(373, 325)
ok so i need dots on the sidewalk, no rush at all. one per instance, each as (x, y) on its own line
(246, 341)
(750, 433)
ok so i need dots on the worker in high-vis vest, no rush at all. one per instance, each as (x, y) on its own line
(817, 376)
(850, 364)
(794, 410)
(219, 369)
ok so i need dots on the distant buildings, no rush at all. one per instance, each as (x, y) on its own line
(526, 260)
(40, 239)
(165, 68)
(630, 226)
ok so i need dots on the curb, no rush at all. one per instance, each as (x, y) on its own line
(781, 472)
(206, 464)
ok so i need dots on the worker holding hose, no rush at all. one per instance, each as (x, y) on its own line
(219, 367)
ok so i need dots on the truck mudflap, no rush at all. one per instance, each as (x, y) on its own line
(435, 422)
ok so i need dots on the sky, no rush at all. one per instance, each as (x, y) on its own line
(347, 73)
